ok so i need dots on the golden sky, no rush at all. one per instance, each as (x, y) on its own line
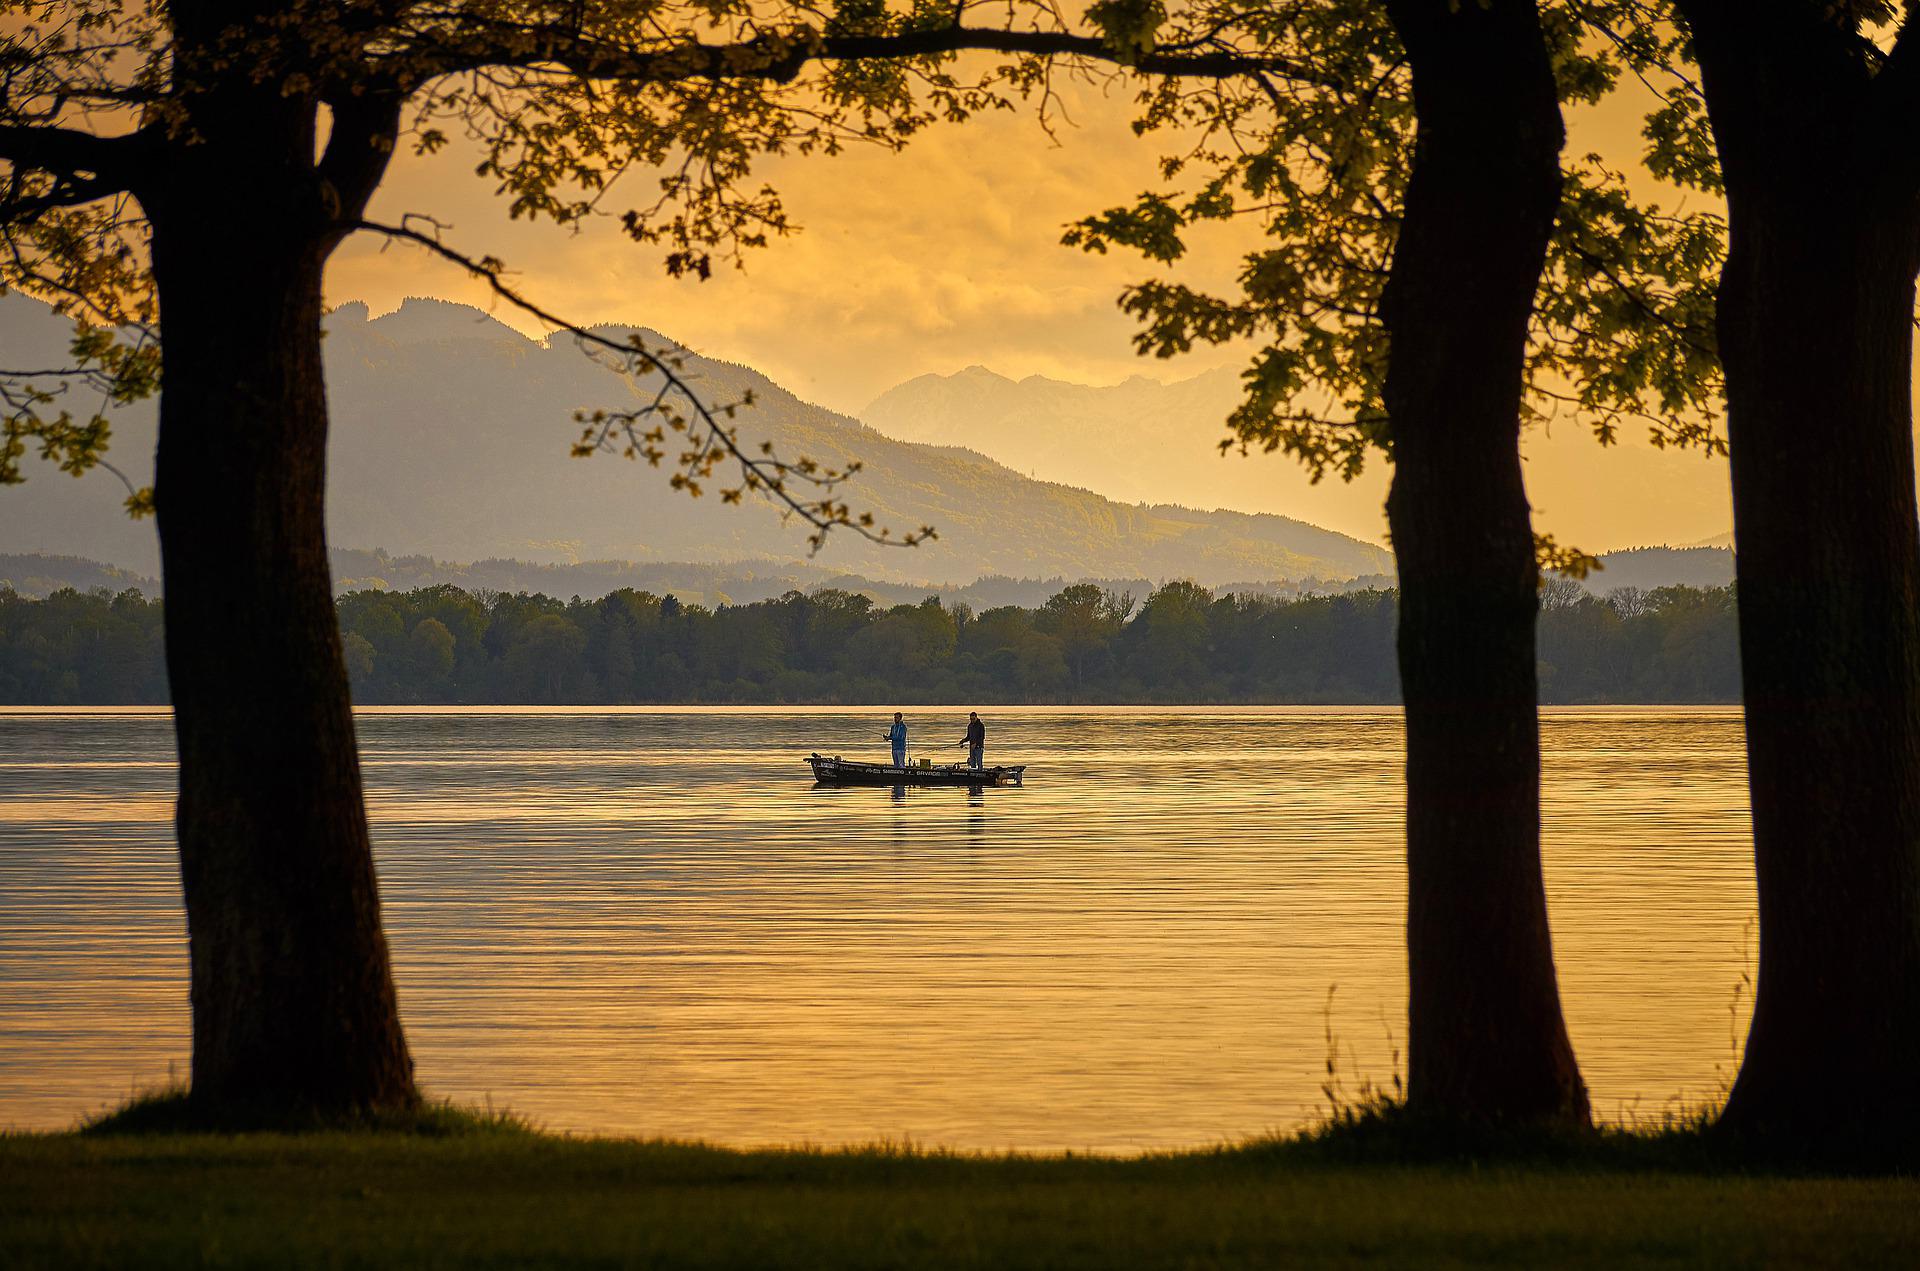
(947, 256)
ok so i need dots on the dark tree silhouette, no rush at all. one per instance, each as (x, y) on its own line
(441, 644)
(1485, 1033)
(1815, 127)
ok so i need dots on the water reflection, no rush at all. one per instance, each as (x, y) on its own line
(640, 922)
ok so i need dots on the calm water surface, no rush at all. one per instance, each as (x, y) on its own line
(650, 922)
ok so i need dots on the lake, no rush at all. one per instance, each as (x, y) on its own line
(650, 922)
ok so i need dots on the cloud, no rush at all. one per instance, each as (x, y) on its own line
(941, 256)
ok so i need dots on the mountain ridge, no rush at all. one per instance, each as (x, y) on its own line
(1149, 440)
(742, 582)
(451, 434)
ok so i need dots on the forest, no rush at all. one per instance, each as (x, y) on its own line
(1086, 644)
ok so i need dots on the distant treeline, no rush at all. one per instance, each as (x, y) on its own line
(1181, 644)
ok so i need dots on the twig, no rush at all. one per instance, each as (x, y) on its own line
(764, 474)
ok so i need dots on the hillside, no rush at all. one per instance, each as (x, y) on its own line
(710, 584)
(36, 574)
(1137, 440)
(715, 583)
(451, 434)
(1651, 567)
(1142, 439)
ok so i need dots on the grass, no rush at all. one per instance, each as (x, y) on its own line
(170, 1110)
(466, 1190)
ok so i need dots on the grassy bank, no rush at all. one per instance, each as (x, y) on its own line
(505, 1199)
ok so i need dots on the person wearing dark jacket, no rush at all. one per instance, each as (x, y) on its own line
(975, 741)
(897, 736)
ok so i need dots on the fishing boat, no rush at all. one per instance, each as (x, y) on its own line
(832, 770)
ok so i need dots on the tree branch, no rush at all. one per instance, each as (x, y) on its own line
(359, 147)
(1897, 86)
(762, 474)
(781, 56)
(68, 191)
(113, 161)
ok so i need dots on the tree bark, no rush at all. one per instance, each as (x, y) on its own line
(1486, 1039)
(294, 1009)
(1816, 337)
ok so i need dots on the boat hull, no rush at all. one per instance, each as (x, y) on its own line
(831, 770)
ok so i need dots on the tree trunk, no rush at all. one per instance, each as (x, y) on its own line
(1816, 336)
(294, 1011)
(1486, 1040)
(1817, 344)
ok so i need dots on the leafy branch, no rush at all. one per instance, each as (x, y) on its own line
(800, 486)
(76, 443)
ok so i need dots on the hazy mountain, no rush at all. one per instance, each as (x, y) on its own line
(36, 574)
(723, 583)
(451, 434)
(718, 583)
(1650, 567)
(715, 584)
(1143, 439)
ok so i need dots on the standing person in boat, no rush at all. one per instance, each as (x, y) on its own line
(898, 736)
(975, 741)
